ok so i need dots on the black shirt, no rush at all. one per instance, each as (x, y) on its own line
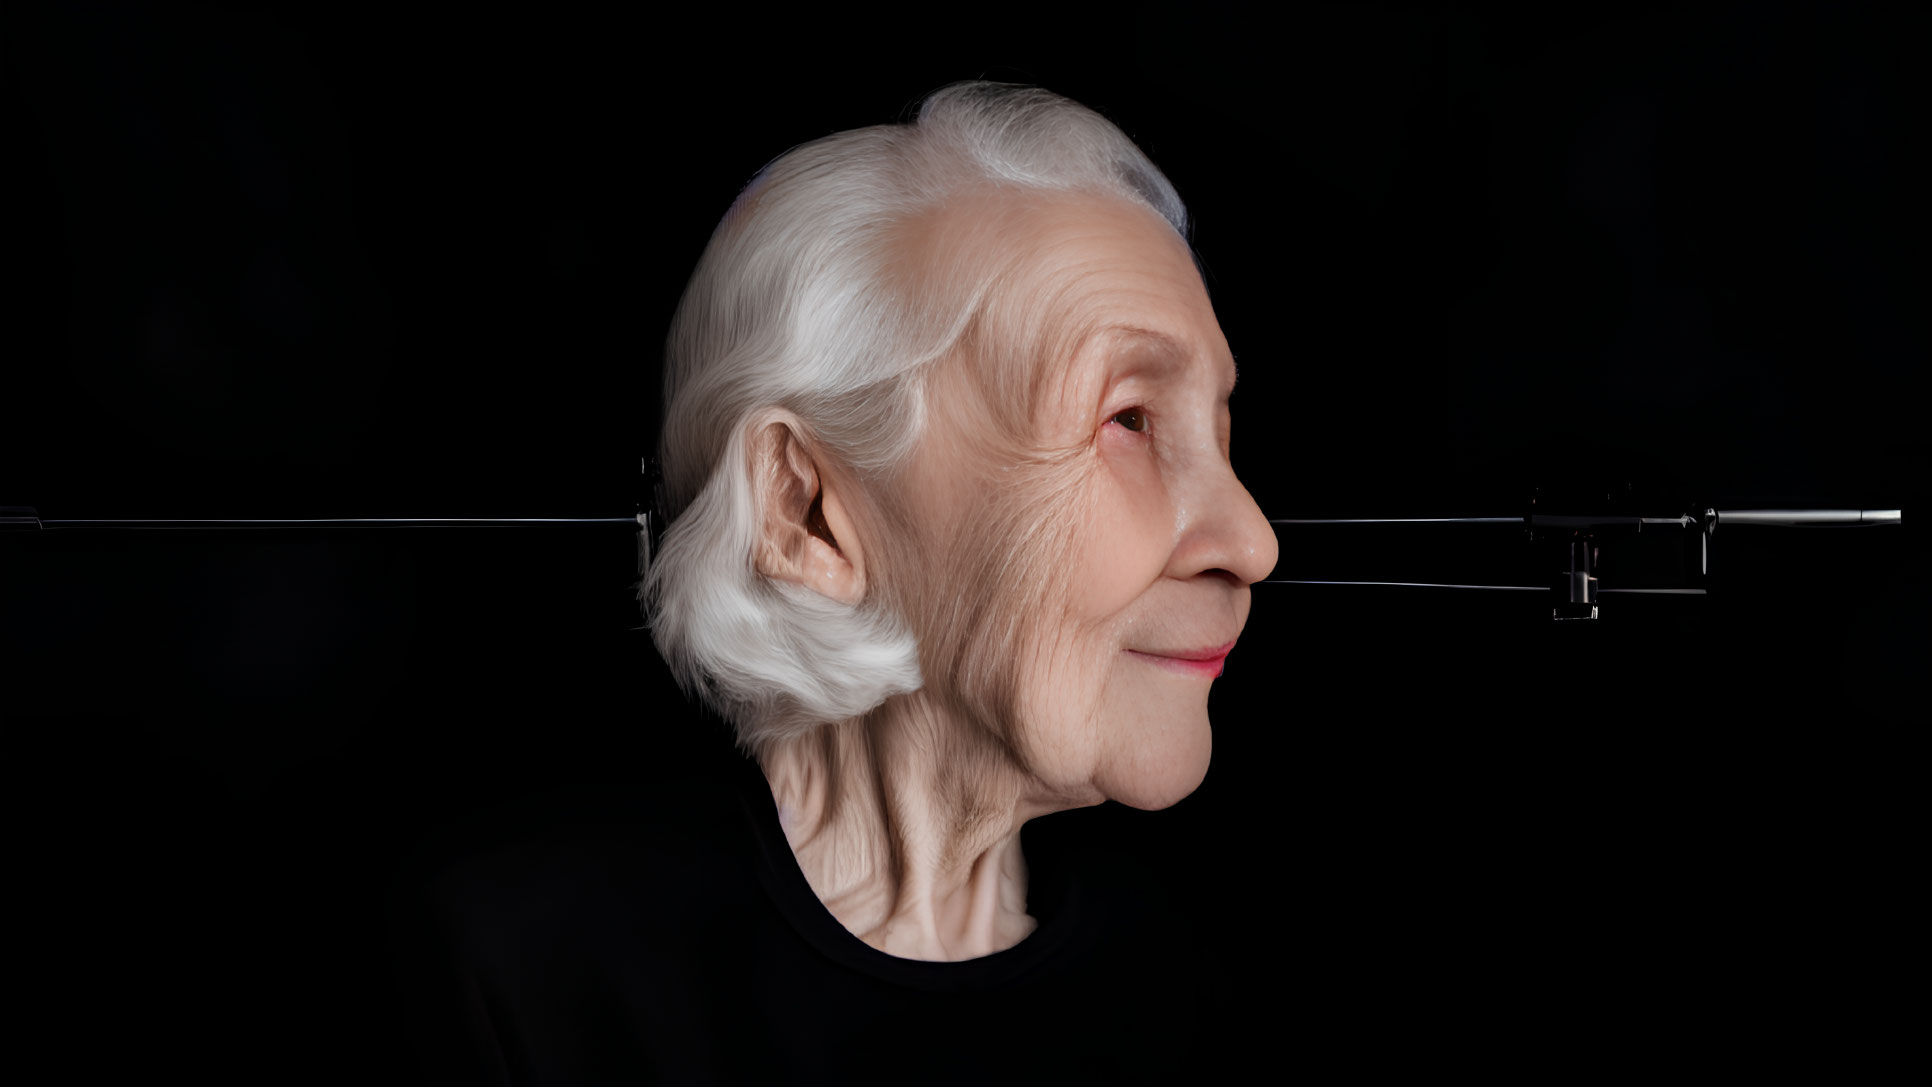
(665, 934)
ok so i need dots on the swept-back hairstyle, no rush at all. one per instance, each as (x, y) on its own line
(795, 305)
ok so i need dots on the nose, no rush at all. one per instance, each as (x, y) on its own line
(1224, 530)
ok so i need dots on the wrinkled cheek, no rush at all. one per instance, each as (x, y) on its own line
(1066, 692)
(1120, 552)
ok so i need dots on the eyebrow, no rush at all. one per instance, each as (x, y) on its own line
(1173, 346)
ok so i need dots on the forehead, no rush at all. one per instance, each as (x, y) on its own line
(1088, 254)
(1083, 280)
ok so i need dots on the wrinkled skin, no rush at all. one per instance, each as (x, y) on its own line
(920, 855)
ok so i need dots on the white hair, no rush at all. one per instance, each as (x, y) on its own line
(791, 307)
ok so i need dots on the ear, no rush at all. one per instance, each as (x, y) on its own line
(808, 535)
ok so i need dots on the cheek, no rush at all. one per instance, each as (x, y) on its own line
(1126, 538)
(1121, 548)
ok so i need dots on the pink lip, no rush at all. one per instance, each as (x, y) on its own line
(1194, 662)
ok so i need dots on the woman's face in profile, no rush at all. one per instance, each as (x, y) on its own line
(1164, 540)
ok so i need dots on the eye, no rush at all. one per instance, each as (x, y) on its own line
(1138, 417)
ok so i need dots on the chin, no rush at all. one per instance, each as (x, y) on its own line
(1164, 768)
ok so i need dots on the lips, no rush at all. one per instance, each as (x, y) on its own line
(1208, 663)
(1211, 653)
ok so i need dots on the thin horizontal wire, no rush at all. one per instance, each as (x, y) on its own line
(1740, 517)
(1410, 584)
(1745, 516)
(1395, 520)
(470, 522)
(1437, 585)
(1762, 517)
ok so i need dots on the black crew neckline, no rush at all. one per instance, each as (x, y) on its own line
(1052, 898)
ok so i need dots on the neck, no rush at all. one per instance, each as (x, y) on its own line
(906, 823)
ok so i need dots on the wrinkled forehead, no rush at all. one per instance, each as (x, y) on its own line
(1068, 279)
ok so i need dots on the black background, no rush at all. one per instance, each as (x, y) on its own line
(315, 261)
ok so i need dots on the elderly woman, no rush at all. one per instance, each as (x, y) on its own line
(954, 543)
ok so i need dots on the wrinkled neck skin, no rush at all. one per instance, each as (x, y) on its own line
(907, 826)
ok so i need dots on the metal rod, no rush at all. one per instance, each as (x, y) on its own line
(1808, 517)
